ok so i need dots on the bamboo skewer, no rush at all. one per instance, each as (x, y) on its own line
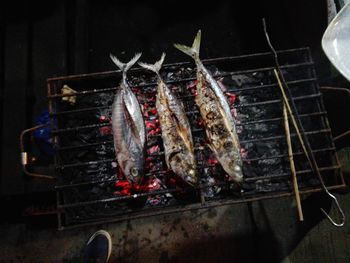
(286, 104)
(292, 166)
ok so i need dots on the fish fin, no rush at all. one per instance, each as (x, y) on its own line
(194, 50)
(156, 66)
(116, 61)
(125, 66)
(132, 61)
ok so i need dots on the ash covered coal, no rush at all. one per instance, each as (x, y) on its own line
(256, 107)
(212, 177)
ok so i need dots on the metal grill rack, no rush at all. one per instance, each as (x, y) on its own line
(85, 160)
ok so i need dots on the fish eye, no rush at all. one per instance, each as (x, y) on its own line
(192, 172)
(237, 169)
(134, 172)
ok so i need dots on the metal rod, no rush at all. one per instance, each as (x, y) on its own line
(81, 146)
(248, 180)
(113, 73)
(86, 145)
(245, 160)
(341, 135)
(292, 166)
(277, 101)
(161, 154)
(80, 110)
(171, 82)
(282, 136)
(306, 171)
(260, 103)
(57, 113)
(77, 128)
(156, 211)
(323, 150)
(120, 198)
(347, 92)
(74, 185)
(325, 120)
(24, 154)
(97, 125)
(80, 164)
(93, 162)
(272, 85)
(277, 119)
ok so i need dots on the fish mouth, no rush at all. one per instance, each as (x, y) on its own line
(238, 178)
(237, 174)
(192, 176)
(235, 178)
(190, 180)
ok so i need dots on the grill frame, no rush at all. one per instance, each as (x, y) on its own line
(54, 85)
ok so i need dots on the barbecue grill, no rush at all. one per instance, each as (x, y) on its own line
(90, 189)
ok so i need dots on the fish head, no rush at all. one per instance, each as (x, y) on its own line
(234, 171)
(135, 175)
(184, 166)
(133, 172)
(191, 176)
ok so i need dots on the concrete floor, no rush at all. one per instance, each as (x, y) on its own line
(265, 231)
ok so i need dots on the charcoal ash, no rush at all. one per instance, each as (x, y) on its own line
(246, 93)
(212, 173)
(265, 186)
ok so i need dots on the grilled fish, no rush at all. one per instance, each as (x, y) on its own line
(219, 124)
(129, 131)
(175, 127)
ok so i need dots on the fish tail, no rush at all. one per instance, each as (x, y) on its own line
(154, 67)
(125, 66)
(194, 50)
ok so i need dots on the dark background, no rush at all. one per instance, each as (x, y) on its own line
(42, 39)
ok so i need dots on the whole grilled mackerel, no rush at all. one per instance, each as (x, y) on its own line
(219, 124)
(129, 132)
(175, 127)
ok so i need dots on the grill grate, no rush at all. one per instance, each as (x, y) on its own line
(85, 161)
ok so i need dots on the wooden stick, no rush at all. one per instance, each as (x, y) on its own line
(294, 122)
(292, 166)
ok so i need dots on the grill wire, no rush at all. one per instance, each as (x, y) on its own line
(85, 159)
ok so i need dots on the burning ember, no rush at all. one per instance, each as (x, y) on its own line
(92, 186)
(154, 161)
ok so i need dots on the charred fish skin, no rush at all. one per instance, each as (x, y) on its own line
(175, 128)
(215, 111)
(129, 131)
